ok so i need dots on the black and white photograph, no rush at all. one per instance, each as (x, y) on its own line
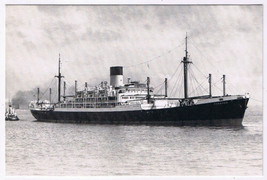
(124, 90)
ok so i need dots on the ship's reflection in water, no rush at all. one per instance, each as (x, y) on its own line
(37, 148)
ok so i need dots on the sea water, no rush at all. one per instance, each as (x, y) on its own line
(56, 149)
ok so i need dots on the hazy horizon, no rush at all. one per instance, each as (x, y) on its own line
(146, 40)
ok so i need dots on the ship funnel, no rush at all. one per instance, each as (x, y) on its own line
(116, 76)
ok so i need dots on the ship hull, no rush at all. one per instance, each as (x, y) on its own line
(226, 113)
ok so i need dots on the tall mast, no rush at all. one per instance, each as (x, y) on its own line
(59, 78)
(186, 62)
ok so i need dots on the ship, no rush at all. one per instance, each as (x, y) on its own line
(134, 103)
(10, 114)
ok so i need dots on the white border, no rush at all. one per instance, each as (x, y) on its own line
(2, 90)
(162, 2)
(143, 2)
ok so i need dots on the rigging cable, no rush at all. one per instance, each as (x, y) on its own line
(47, 88)
(176, 82)
(197, 80)
(170, 78)
(175, 72)
(193, 82)
(199, 85)
(156, 57)
(215, 85)
(199, 70)
(218, 71)
(205, 58)
(160, 85)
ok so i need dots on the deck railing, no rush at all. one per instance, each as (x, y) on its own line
(87, 105)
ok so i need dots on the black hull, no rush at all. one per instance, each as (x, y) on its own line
(225, 113)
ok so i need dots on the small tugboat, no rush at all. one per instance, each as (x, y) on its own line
(135, 103)
(11, 114)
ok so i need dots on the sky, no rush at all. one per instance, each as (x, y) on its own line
(148, 41)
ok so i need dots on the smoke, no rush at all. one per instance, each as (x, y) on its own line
(22, 98)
